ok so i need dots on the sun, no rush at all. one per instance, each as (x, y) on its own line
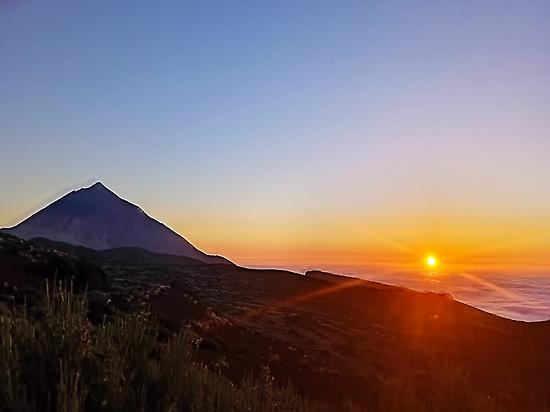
(431, 261)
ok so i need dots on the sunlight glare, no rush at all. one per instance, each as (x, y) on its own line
(431, 261)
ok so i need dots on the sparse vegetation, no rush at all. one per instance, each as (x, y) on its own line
(353, 350)
(447, 387)
(56, 360)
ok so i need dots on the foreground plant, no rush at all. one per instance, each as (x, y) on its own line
(53, 359)
(56, 360)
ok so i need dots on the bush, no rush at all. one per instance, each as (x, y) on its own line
(57, 360)
(61, 362)
(445, 387)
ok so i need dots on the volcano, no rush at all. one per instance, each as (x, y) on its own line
(98, 218)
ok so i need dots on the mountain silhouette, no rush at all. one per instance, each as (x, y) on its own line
(98, 218)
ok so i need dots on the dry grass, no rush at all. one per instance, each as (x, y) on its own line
(57, 361)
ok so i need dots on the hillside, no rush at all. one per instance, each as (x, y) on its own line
(338, 340)
(26, 266)
(357, 340)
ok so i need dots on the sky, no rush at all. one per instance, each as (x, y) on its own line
(290, 133)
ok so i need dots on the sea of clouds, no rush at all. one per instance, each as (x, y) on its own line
(523, 297)
(520, 297)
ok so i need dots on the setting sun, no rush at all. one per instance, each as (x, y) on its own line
(431, 261)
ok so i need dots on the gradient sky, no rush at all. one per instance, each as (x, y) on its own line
(282, 132)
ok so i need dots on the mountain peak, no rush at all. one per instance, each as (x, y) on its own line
(98, 218)
(97, 193)
(97, 187)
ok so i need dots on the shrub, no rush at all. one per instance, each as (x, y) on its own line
(59, 361)
(446, 386)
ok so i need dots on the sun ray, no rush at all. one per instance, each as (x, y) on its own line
(300, 298)
(486, 283)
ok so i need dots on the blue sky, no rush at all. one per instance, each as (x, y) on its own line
(268, 119)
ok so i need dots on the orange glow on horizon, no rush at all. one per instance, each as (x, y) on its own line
(336, 240)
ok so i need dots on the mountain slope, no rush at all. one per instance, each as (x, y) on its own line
(122, 256)
(97, 218)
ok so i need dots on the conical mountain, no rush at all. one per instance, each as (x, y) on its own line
(97, 218)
